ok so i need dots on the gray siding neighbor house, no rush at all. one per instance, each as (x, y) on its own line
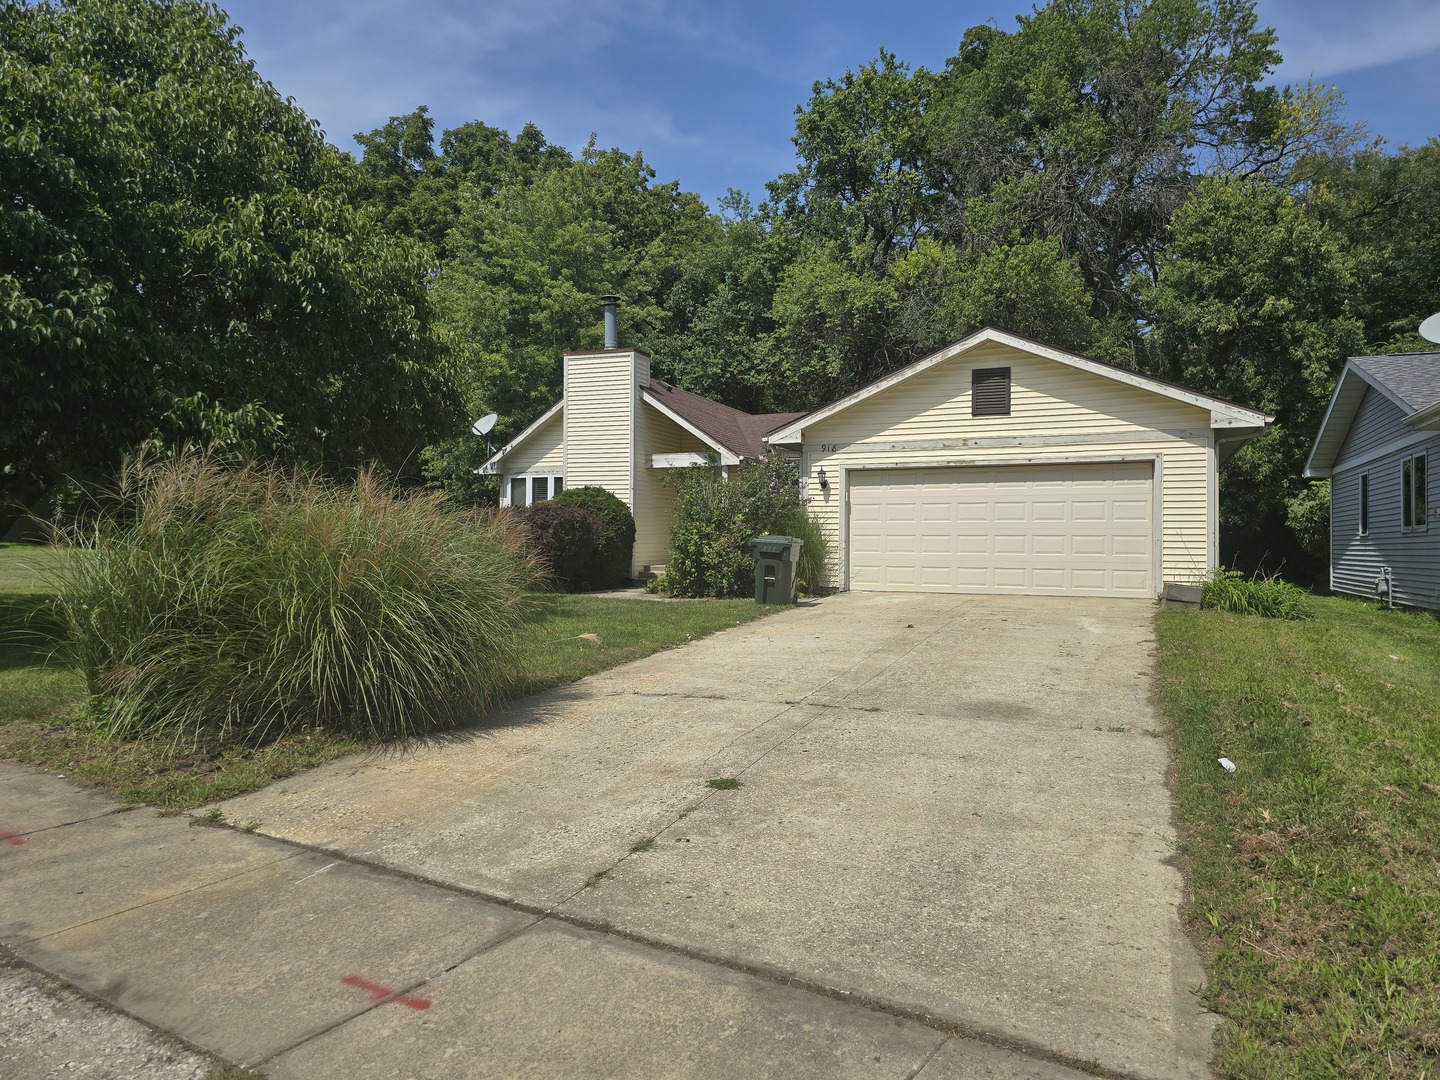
(1380, 444)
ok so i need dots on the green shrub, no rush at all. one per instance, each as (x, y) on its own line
(715, 520)
(563, 538)
(1268, 597)
(610, 565)
(814, 551)
(246, 604)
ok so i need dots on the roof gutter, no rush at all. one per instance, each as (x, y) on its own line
(1426, 419)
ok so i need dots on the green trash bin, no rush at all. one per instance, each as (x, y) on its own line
(777, 565)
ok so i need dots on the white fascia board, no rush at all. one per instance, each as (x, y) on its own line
(1314, 470)
(679, 461)
(1222, 413)
(491, 467)
(727, 456)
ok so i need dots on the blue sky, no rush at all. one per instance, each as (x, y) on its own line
(708, 91)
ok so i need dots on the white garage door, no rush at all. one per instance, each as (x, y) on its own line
(1054, 530)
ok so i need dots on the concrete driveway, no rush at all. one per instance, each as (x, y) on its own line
(951, 809)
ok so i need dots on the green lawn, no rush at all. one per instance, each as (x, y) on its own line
(42, 702)
(1315, 866)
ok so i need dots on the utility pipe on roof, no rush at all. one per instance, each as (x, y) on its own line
(612, 320)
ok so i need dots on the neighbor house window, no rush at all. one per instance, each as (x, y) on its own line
(528, 490)
(1412, 492)
(990, 391)
(1364, 504)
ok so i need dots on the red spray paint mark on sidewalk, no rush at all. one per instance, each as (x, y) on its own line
(11, 838)
(379, 993)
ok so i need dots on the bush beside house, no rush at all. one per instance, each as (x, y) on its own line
(564, 538)
(716, 518)
(610, 564)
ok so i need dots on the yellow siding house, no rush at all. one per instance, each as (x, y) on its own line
(995, 465)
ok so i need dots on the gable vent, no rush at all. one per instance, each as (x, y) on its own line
(990, 391)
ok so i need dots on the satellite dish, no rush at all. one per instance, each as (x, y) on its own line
(485, 424)
(1430, 328)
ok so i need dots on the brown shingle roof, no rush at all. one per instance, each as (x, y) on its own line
(739, 432)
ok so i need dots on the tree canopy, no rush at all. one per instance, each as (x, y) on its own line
(182, 256)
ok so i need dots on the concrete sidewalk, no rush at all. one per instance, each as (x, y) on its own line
(302, 964)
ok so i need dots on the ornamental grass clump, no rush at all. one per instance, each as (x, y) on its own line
(245, 604)
(1268, 597)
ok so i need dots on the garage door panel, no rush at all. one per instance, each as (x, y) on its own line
(1131, 579)
(1011, 577)
(1055, 529)
(1010, 545)
(1130, 545)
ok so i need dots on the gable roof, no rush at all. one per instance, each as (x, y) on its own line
(734, 433)
(1223, 414)
(491, 464)
(1412, 380)
(739, 432)
(1409, 381)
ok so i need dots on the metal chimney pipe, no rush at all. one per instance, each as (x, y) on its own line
(612, 321)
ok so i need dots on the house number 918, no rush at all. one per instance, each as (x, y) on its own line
(831, 447)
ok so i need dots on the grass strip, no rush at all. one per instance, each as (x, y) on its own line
(1314, 867)
(42, 702)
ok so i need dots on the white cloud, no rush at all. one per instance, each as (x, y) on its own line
(1328, 39)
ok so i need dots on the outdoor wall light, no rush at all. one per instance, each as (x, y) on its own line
(820, 479)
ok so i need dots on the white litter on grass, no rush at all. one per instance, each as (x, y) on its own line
(1226, 764)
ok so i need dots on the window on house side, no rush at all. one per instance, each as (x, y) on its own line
(990, 391)
(1364, 504)
(529, 490)
(1413, 491)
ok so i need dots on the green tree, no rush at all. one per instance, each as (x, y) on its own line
(1089, 124)
(1028, 288)
(718, 313)
(527, 267)
(1387, 205)
(862, 178)
(178, 253)
(417, 192)
(1253, 305)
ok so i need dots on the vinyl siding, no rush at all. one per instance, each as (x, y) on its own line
(600, 401)
(1413, 557)
(542, 452)
(1057, 414)
(656, 433)
(1377, 422)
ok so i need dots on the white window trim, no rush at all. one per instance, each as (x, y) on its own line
(1362, 519)
(529, 479)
